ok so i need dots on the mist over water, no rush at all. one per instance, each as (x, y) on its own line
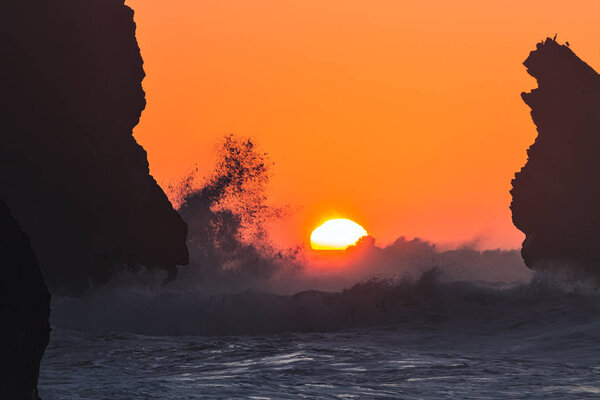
(461, 323)
(367, 286)
(249, 320)
(238, 282)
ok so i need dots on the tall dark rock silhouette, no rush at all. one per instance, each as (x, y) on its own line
(24, 312)
(556, 195)
(70, 170)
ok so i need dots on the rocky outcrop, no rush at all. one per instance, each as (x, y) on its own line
(24, 312)
(70, 170)
(556, 195)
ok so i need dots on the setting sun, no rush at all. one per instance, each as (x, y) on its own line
(336, 234)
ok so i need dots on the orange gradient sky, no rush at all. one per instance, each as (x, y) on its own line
(404, 116)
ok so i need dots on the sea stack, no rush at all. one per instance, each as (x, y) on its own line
(556, 195)
(71, 171)
(24, 312)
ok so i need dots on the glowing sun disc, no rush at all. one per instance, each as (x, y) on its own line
(336, 234)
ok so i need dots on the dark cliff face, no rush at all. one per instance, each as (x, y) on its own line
(70, 169)
(24, 312)
(556, 195)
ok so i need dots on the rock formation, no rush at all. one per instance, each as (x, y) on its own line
(24, 312)
(70, 170)
(556, 195)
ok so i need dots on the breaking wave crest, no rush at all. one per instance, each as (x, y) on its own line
(239, 283)
(430, 300)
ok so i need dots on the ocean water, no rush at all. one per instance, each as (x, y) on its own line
(423, 340)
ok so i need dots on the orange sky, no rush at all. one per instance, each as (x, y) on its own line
(404, 116)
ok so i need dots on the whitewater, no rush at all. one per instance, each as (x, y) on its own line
(247, 320)
(427, 337)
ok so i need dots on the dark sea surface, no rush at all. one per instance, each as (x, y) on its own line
(532, 341)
